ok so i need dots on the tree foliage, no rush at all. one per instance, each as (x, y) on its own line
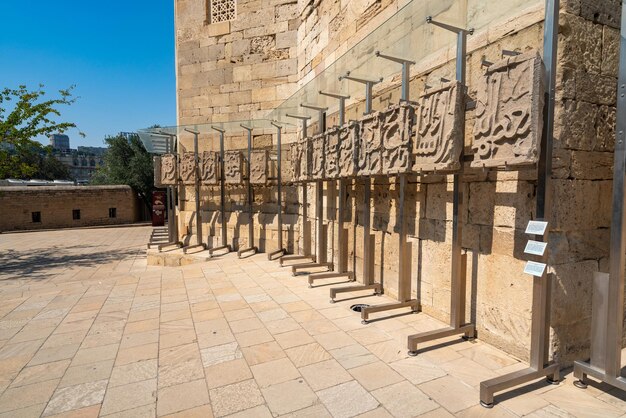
(24, 116)
(127, 162)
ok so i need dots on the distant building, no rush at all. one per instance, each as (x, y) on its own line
(60, 142)
(96, 151)
(81, 165)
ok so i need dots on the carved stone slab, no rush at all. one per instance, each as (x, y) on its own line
(188, 168)
(318, 156)
(169, 172)
(258, 167)
(509, 113)
(209, 168)
(331, 155)
(306, 161)
(370, 145)
(396, 124)
(156, 164)
(295, 157)
(233, 167)
(348, 136)
(438, 140)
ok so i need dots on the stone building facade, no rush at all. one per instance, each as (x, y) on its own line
(51, 207)
(244, 68)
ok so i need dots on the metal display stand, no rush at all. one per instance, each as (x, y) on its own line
(341, 269)
(251, 248)
(321, 251)
(458, 258)
(608, 289)
(540, 366)
(404, 259)
(281, 249)
(172, 224)
(199, 243)
(225, 245)
(368, 250)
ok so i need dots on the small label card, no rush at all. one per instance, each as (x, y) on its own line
(536, 248)
(536, 228)
(534, 269)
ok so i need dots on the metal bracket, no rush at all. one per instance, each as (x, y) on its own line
(406, 72)
(342, 104)
(369, 87)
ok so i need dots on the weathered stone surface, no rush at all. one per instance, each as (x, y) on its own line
(370, 145)
(188, 168)
(209, 168)
(317, 156)
(438, 142)
(331, 161)
(168, 171)
(348, 139)
(156, 163)
(606, 12)
(397, 122)
(295, 157)
(258, 167)
(509, 113)
(233, 164)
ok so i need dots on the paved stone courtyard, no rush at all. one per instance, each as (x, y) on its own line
(88, 329)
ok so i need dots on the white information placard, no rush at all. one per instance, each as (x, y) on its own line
(536, 248)
(536, 228)
(534, 269)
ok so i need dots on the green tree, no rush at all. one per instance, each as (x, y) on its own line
(28, 117)
(126, 161)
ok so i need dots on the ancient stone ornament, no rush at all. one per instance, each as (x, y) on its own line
(318, 156)
(169, 174)
(438, 139)
(509, 113)
(295, 158)
(306, 160)
(233, 164)
(156, 163)
(258, 167)
(209, 168)
(396, 123)
(347, 138)
(331, 155)
(188, 168)
(370, 145)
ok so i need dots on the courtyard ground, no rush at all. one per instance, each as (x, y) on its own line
(88, 329)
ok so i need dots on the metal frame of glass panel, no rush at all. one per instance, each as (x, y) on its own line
(608, 290)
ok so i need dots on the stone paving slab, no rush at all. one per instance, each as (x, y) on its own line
(88, 329)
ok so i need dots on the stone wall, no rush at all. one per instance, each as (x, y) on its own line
(56, 205)
(497, 204)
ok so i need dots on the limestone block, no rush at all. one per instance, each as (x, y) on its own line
(370, 145)
(208, 168)
(578, 43)
(592, 165)
(509, 113)
(168, 170)
(397, 122)
(258, 167)
(233, 167)
(317, 156)
(347, 137)
(331, 161)
(605, 12)
(438, 142)
(188, 168)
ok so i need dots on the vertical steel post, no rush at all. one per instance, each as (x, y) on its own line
(170, 208)
(225, 244)
(279, 186)
(197, 190)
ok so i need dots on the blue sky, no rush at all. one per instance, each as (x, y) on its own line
(119, 54)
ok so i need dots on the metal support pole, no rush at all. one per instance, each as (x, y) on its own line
(251, 248)
(304, 120)
(341, 270)
(608, 315)
(458, 259)
(225, 245)
(172, 227)
(540, 328)
(281, 250)
(369, 87)
(199, 242)
(404, 257)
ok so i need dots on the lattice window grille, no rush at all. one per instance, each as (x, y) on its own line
(223, 10)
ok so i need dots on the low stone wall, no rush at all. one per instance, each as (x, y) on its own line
(56, 207)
